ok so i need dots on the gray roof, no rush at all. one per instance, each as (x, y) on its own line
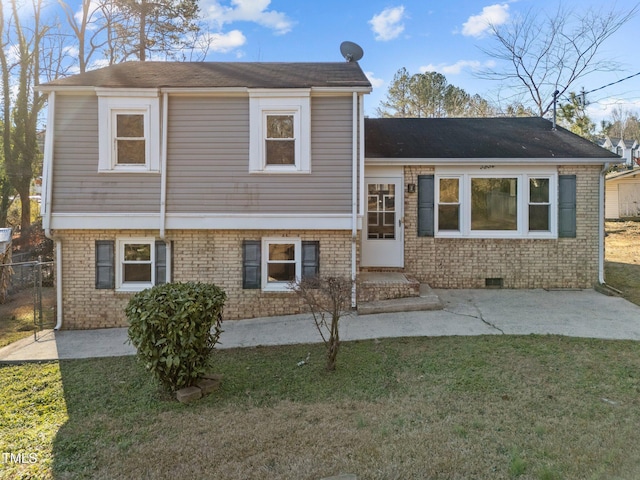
(219, 74)
(507, 137)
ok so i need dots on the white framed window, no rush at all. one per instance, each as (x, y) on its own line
(280, 132)
(281, 263)
(135, 264)
(129, 139)
(503, 203)
(449, 204)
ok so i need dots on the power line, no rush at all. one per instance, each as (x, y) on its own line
(610, 84)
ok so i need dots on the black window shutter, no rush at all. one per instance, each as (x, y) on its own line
(567, 206)
(251, 262)
(105, 264)
(426, 193)
(310, 259)
(161, 263)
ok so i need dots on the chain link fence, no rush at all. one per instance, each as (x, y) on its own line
(22, 275)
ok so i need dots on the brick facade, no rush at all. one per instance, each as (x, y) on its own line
(197, 255)
(520, 263)
(216, 256)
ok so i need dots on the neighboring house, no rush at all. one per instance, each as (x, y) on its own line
(623, 194)
(249, 175)
(629, 150)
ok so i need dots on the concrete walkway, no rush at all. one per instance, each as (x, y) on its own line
(583, 313)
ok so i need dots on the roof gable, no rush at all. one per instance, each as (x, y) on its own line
(218, 75)
(521, 138)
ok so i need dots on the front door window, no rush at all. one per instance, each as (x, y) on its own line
(381, 211)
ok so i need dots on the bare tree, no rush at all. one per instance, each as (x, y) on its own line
(327, 298)
(121, 30)
(160, 26)
(539, 54)
(21, 101)
(91, 25)
(5, 124)
(624, 124)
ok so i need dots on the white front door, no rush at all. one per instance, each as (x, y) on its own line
(383, 229)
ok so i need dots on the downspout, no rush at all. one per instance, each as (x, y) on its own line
(354, 198)
(603, 172)
(362, 154)
(46, 206)
(163, 166)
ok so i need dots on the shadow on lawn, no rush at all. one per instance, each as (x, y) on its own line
(106, 400)
(624, 277)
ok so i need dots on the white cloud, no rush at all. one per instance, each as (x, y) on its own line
(375, 82)
(458, 67)
(387, 24)
(246, 11)
(603, 109)
(478, 25)
(226, 42)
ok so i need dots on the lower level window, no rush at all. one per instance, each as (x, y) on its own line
(281, 263)
(136, 259)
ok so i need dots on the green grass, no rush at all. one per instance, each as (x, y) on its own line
(442, 408)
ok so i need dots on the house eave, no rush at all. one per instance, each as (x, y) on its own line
(485, 161)
(209, 91)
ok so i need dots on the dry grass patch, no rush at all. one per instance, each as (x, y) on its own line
(16, 315)
(622, 267)
(439, 408)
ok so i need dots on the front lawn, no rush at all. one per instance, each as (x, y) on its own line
(499, 407)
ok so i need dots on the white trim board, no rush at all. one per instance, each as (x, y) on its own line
(151, 221)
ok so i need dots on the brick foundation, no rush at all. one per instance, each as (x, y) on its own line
(198, 255)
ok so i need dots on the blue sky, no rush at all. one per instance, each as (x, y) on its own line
(444, 36)
(420, 35)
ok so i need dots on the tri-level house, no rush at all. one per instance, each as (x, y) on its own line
(252, 175)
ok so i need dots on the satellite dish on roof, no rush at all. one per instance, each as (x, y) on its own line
(352, 52)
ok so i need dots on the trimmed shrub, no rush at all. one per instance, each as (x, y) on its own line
(174, 328)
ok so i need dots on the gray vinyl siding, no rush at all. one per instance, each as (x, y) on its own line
(208, 161)
(77, 185)
(207, 164)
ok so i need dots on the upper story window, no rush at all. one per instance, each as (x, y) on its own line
(130, 145)
(280, 132)
(129, 133)
(280, 141)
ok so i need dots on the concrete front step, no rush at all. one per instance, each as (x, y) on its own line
(377, 286)
(426, 301)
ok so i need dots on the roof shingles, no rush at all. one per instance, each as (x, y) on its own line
(219, 75)
(530, 137)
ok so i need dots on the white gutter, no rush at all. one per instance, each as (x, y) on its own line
(45, 208)
(354, 197)
(163, 166)
(603, 172)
